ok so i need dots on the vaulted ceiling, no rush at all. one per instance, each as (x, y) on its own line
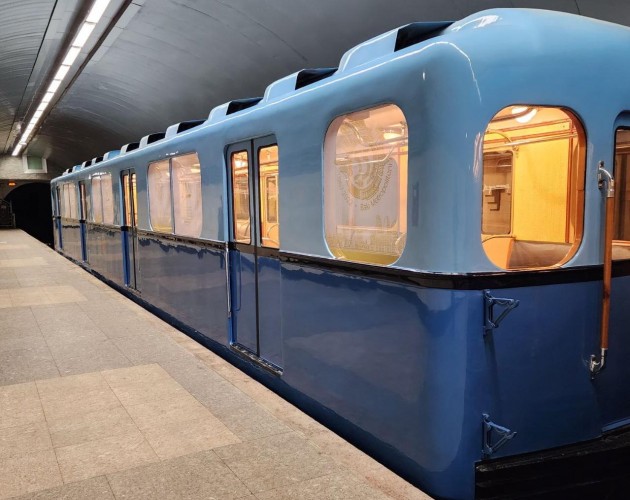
(151, 63)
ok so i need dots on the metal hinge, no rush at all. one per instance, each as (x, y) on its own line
(490, 321)
(490, 429)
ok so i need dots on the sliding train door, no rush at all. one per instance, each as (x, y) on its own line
(129, 228)
(83, 219)
(613, 381)
(254, 268)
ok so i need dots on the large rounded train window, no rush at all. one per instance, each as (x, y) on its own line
(533, 187)
(365, 185)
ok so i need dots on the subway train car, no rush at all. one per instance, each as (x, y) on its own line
(426, 248)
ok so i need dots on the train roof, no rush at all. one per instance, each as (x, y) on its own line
(506, 33)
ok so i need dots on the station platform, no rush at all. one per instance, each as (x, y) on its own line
(99, 399)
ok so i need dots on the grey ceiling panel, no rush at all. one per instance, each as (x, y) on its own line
(168, 61)
(22, 27)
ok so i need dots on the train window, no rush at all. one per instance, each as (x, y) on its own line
(533, 187)
(64, 201)
(186, 172)
(268, 185)
(97, 200)
(74, 208)
(240, 197)
(621, 235)
(160, 203)
(365, 185)
(107, 192)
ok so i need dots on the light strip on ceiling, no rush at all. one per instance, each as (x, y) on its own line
(93, 17)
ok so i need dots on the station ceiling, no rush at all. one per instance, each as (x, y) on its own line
(152, 63)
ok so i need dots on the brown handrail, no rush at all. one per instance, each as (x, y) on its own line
(606, 180)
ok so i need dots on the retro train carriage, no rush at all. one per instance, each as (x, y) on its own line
(366, 278)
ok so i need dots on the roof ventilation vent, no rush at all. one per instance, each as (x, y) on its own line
(389, 42)
(86, 163)
(65, 172)
(296, 81)
(127, 148)
(76, 168)
(280, 87)
(218, 113)
(241, 104)
(96, 160)
(310, 76)
(111, 154)
(150, 139)
(178, 128)
(418, 32)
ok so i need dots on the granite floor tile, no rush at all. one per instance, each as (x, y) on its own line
(330, 487)
(343, 452)
(200, 476)
(104, 456)
(24, 365)
(141, 384)
(140, 351)
(176, 410)
(74, 395)
(17, 341)
(5, 298)
(19, 439)
(84, 356)
(29, 472)
(28, 262)
(276, 461)
(9, 283)
(96, 488)
(182, 438)
(81, 428)
(30, 296)
(250, 421)
(19, 405)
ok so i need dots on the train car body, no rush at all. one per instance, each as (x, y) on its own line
(410, 247)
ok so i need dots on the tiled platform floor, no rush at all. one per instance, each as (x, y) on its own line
(100, 400)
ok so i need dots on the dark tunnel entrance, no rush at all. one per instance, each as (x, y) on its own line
(32, 209)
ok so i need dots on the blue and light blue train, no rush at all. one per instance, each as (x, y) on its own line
(427, 248)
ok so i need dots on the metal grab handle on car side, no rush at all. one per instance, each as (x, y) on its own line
(606, 182)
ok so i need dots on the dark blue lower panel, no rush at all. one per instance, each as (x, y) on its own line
(270, 310)
(396, 361)
(71, 235)
(57, 232)
(243, 289)
(406, 372)
(104, 246)
(613, 383)
(187, 281)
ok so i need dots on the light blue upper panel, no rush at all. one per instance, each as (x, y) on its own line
(449, 85)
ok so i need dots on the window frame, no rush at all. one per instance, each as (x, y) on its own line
(575, 188)
(403, 213)
(173, 227)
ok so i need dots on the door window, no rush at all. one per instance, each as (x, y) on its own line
(621, 234)
(240, 197)
(268, 186)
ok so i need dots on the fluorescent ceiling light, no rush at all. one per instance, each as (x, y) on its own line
(96, 11)
(83, 35)
(71, 56)
(47, 97)
(62, 72)
(95, 14)
(54, 85)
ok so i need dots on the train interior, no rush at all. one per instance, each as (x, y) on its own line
(533, 187)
